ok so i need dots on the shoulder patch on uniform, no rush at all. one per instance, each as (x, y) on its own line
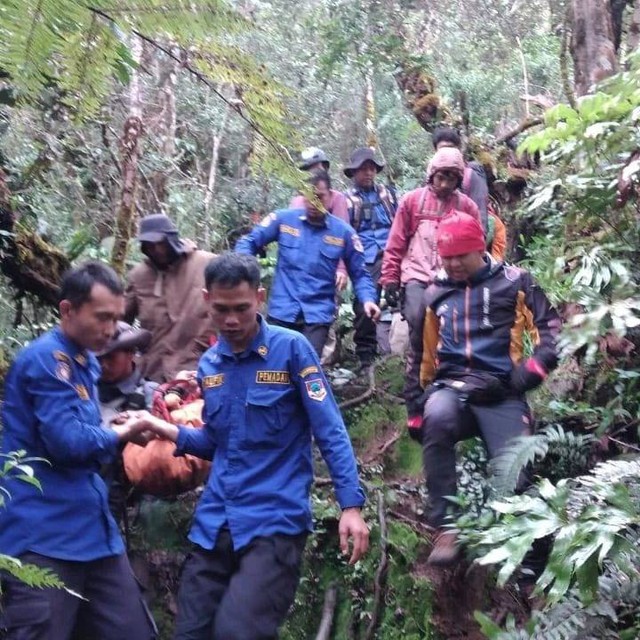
(268, 219)
(82, 391)
(272, 377)
(209, 382)
(316, 389)
(285, 228)
(308, 370)
(61, 356)
(262, 350)
(357, 243)
(63, 371)
(333, 240)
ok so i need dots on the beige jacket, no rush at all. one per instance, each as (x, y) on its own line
(169, 303)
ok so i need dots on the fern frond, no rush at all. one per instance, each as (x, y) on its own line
(513, 459)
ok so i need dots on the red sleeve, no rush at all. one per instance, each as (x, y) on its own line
(339, 206)
(398, 242)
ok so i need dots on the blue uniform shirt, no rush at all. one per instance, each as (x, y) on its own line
(261, 408)
(51, 411)
(374, 221)
(308, 257)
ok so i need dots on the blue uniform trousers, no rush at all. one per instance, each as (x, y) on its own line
(113, 610)
(239, 595)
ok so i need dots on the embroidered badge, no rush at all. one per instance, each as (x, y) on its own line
(63, 371)
(285, 228)
(308, 370)
(209, 382)
(316, 389)
(61, 356)
(82, 392)
(267, 220)
(357, 243)
(272, 377)
(336, 242)
(262, 350)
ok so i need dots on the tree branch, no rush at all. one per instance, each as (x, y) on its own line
(380, 578)
(523, 126)
(328, 611)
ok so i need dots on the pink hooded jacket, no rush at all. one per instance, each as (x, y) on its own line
(411, 252)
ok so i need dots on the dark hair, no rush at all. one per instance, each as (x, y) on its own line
(446, 134)
(78, 282)
(319, 175)
(231, 269)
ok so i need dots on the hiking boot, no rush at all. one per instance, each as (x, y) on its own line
(446, 550)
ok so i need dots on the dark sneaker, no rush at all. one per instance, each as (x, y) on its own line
(446, 551)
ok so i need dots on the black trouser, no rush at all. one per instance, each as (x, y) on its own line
(365, 334)
(316, 334)
(239, 595)
(447, 420)
(113, 609)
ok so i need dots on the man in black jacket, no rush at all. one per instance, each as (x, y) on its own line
(470, 363)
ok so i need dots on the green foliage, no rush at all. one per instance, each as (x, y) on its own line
(30, 574)
(593, 519)
(17, 465)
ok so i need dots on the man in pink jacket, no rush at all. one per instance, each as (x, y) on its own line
(411, 260)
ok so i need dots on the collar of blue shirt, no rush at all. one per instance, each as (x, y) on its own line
(259, 345)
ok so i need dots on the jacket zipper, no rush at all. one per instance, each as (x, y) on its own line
(467, 324)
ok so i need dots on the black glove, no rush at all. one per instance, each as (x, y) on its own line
(526, 376)
(392, 294)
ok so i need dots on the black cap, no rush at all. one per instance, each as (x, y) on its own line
(128, 339)
(359, 157)
(156, 228)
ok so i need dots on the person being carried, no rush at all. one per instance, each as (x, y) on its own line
(311, 242)
(265, 397)
(372, 207)
(470, 366)
(410, 259)
(163, 293)
(51, 411)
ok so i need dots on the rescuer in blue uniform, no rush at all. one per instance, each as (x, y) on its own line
(51, 411)
(311, 244)
(265, 397)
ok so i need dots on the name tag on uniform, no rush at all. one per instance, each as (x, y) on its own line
(209, 382)
(333, 240)
(272, 377)
(285, 228)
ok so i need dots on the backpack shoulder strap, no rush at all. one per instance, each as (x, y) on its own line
(466, 179)
(387, 201)
(355, 206)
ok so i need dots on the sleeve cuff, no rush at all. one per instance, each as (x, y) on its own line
(181, 442)
(350, 497)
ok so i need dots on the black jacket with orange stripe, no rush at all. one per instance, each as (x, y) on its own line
(480, 325)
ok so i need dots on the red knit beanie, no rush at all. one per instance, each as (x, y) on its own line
(459, 234)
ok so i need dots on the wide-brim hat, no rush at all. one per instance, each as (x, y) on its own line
(127, 338)
(156, 228)
(358, 158)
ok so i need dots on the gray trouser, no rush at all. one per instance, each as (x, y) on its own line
(113, 609)
(447, 420)
(411, 301)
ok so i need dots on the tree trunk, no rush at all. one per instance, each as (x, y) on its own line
(370, 111)
(634, 28)
(592, 46)
(130, 150)
(216, 139)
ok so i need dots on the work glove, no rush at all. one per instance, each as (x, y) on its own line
(392, 294)
(527, 375)
(414, 425)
